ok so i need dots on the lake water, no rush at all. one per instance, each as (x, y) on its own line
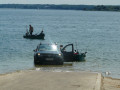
(96, 32)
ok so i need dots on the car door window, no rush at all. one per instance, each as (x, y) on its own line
(68, 49)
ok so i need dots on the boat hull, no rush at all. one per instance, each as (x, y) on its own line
(33, 37)
(79, 58)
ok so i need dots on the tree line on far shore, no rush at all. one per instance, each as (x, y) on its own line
(63, 7)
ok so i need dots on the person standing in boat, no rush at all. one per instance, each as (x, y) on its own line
(30, 29)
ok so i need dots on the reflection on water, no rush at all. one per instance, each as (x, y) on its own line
(56, 68)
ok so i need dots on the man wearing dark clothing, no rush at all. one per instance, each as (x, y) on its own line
(30, 29)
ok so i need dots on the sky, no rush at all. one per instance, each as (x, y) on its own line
(73, 2)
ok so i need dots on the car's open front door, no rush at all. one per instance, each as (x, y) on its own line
(68, 52)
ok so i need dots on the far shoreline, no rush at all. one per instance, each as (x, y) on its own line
(115, 8)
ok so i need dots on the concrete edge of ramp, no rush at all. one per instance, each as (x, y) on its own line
(98, 85)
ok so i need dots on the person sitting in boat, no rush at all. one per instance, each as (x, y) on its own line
(27, 33)
(42, 34)
(76, 52)
(30, 29)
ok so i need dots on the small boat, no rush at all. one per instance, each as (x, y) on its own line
(71, 55)
(40, 36)
(34, 36)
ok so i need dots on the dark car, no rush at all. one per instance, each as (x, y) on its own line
(47, 54)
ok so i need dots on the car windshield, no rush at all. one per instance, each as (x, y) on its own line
(47, 47)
